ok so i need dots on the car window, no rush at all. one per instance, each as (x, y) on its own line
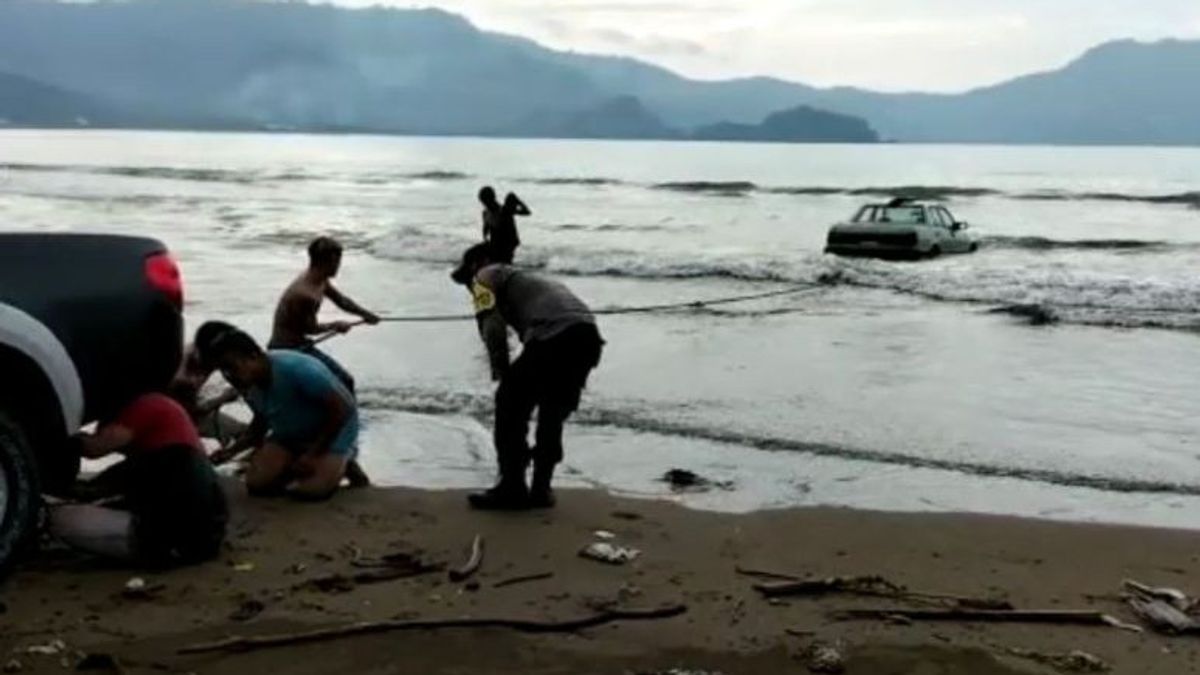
(947, 217)
(905, 215)
(936, 217)
(866, 214)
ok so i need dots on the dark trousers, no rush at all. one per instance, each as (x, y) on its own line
(502, 252)
(548, 376)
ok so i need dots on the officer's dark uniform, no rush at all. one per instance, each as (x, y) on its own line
(561, 347)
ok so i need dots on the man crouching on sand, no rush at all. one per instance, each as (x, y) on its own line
(305, 425)
(561, 347)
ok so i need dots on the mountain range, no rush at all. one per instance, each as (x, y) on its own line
(244, 64)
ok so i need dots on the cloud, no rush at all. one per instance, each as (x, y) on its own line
(939, 45)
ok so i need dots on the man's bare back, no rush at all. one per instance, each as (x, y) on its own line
(296, 313)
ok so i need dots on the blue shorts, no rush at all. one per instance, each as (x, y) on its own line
(345, 444)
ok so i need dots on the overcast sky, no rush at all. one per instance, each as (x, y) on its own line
(942, 45)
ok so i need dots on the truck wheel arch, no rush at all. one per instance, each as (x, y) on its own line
(38, 360)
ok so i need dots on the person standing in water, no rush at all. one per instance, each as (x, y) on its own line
(562, 346)
(500, 224)
(296, 314)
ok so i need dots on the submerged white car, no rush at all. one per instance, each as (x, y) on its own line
(901, 228)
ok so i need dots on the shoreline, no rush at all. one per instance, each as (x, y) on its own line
(269, 580)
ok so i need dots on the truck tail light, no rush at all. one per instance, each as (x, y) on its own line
(163, 275)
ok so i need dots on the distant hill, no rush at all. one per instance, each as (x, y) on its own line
(24, 101)
(798, 125)
(244, 64)
(1123, 92)
(620, 117)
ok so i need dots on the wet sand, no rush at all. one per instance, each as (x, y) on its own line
(688, 558)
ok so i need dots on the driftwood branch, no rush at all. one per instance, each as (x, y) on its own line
(1052, 616)
(863, 585)
(342, 583)
(523, 579)
(245, 644)
(473, 562)
(765, 574)
(875, 586)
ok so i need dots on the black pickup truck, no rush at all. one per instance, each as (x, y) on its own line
(86, 322)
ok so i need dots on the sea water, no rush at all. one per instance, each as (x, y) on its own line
(912, 386)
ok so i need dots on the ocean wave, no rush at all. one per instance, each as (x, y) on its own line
(571, 180)
(633, 416)
(203, 175)
(720, 188)
(716, 188)
(607, 227)
(1033, 313)
(1085, 296)
(926, 192)
(1185, 198)
(1046, 244)
(439, 175)
(922, 192)
(297, 239)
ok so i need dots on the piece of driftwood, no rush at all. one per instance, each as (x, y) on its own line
(765, 574)
(872, 585)
(244, 644)
(1054, 616)
(1071, 662)
(523, 579)
(876, 586)
(471, 566)
(344, 583)
(400, 560)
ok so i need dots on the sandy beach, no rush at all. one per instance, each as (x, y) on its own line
(289, 568)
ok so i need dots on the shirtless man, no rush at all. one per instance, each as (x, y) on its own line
(296, 314)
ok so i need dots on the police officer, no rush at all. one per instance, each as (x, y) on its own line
(561, 347)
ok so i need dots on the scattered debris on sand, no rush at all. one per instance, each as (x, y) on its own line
(821, 657)
(1071, 662)
(682, 480)
(471, 566)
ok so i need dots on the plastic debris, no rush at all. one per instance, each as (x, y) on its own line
(1072, 662)
(138, 588)
(824, 658)
(612, 554)
(248, 610)
(682, 480)
(605, 535)
(243, 567)
(52, 648)
(101, 662)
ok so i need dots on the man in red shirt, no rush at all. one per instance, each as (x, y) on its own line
(174, 509)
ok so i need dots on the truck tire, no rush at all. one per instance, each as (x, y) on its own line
(20, 497)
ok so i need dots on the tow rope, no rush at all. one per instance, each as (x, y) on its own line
(605, 311)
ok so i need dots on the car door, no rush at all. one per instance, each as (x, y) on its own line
(957, 239)
(938, 233)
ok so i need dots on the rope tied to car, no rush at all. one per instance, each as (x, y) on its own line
(794, 289)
